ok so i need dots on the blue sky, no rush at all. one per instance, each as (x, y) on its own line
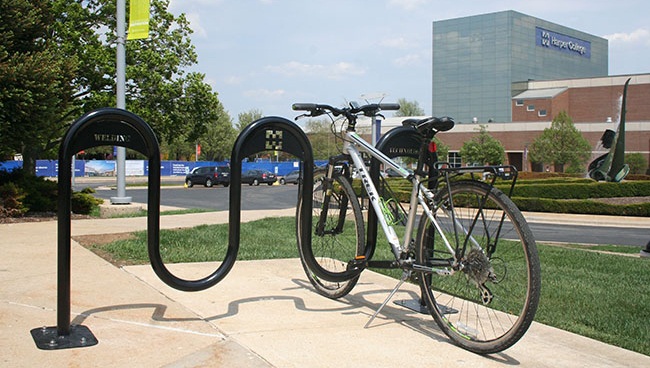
(268, 54)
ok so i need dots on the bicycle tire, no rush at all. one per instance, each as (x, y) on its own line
(326, 259)
(490, 319)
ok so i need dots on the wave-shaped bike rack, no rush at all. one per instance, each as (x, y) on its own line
(269, 133)
(101, 127)
(401, 141)
(272, 134)
(117, 127)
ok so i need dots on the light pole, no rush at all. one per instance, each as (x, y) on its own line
(120, 81)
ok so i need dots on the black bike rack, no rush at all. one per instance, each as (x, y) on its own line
(106, 126)
(402, 141)
(271, 134)
(110, 126)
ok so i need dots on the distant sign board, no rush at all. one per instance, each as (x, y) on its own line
(563, 43)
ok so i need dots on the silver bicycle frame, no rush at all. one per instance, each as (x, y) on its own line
(352, 146)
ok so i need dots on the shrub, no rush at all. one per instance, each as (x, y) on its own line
(40, 194)
(83, 203)
(21, 194)
(580, 190)
(11, 201)
(637, 163)
(581, 207)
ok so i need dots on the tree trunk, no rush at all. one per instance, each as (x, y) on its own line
(29, 160)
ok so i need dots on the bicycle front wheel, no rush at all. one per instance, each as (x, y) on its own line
(487, 300)
(337, 238)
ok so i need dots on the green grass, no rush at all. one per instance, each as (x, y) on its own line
(143, 213)
(597, 295)
(601, 296)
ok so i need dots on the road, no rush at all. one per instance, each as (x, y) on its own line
(217, 198)
(266, 197)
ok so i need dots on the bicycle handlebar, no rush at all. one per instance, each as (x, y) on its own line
(368, 110)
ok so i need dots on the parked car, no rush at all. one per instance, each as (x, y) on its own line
(291, 177)
(208, 176)
(255, 177)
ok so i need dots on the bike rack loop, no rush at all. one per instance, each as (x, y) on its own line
(101, 127)
(271, 134)
(401, 141)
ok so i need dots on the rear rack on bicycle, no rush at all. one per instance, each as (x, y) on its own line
(488, 173)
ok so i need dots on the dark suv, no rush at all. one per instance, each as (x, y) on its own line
(208, 176)
(255, 177)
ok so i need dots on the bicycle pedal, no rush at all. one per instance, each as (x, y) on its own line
(357, 263)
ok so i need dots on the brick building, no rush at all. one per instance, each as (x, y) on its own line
(592, 103)
(514, 73)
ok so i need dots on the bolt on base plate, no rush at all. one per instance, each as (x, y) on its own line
(47, 338)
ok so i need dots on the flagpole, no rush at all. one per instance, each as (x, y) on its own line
(120, 81)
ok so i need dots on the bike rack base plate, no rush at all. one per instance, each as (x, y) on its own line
(47, 338)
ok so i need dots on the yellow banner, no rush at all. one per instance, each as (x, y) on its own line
(138, 20)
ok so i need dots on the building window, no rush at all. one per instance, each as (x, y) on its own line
(530, 108)
(541, 113)
(519, 103)
(454, 159)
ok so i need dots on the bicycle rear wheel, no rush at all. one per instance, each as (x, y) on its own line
(338, 238)
(486, 303)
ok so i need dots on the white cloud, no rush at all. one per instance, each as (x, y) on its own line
(333, 71)
(407, 4)
(396, 43)
(408, 60)
(264, 94)
(233, 80)
(195, 24)
(639, 36)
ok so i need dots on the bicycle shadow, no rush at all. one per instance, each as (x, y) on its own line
(396, 313)
(354, 303)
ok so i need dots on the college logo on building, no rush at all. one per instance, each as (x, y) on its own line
(562, 42)
(274, 140)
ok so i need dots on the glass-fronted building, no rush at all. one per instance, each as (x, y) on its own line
(477, 61)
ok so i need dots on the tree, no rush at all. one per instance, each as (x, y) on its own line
(483, 149)
(247, 117)
(218, 141)
(75, 73)
(408, 108)
(322, 140)
(36, 80)
(561, 144)
(443, 149)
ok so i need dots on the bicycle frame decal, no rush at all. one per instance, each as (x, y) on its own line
(393, 240)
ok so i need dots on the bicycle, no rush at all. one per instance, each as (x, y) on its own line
(473, 254)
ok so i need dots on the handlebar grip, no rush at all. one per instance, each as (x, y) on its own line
(304, 107)
(389, 106)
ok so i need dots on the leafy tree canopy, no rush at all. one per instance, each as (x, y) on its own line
(323, 142)
(409, 108)
(247, 117)
(483, 149)
(57, 61)
(561, 144)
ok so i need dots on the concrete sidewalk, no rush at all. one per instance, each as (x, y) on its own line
(263, 314)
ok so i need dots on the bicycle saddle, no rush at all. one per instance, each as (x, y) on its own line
(425, 125)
